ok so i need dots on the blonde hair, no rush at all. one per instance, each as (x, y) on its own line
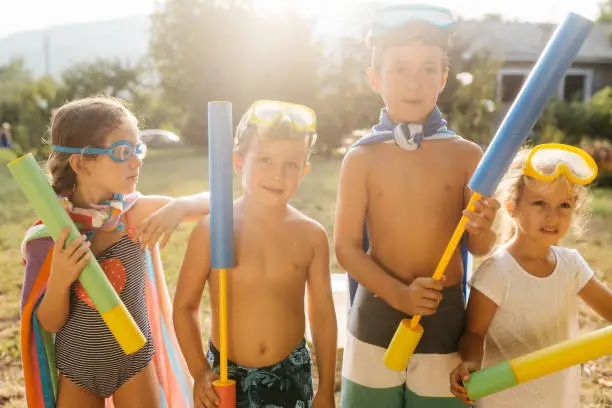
(512, 187)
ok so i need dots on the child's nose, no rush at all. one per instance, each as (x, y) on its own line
(412, 80)
(135, 162)
(552, 214)
(278, 172)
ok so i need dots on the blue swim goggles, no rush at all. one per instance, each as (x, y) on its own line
(394, 16)
(436, 24)
(120, 152)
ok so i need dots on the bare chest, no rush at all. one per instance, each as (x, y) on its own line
(426, 179)
(276, 254)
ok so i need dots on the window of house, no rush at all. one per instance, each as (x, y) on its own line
(574, 87)
(510, 86)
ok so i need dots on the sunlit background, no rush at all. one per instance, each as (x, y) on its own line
(168, 59)
(26, 15)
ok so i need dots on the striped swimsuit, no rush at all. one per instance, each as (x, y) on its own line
(368, 383)
(86, 351)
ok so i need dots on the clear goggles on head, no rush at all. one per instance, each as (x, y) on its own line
(269, 113)
(548, 162)
(120, 152)
(394, 16)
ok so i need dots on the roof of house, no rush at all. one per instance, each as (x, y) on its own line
(524, 42)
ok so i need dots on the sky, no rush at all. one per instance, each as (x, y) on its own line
(27, 15)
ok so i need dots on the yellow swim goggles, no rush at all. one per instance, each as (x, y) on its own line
(549, 161)
(268, 113)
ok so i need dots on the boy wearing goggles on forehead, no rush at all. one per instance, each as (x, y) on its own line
(279, 254)
(407, 180)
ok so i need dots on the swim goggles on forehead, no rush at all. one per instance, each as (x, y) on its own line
(120, 151)
(394, 16)
(548, 162)
(269, 113)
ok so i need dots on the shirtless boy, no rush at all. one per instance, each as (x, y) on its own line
(408, 181)
(279, 253)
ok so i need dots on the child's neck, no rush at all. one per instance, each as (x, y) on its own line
(84, 197)
(254, 208)
(528, 248)
(395, 118)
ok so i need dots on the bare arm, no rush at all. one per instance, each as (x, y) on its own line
(479, 315)
(351, 207)
(159, 216)
(192, 279)
(66, 265)
(53, 310)
(480, 234)
(322, 314)
(598, 297)
(194, 206)
(190, 207)
(482, 237)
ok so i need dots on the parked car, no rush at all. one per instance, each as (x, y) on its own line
(160, 138)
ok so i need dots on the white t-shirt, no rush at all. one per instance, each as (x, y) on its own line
(533, 313)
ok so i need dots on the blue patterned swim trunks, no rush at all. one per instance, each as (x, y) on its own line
(286, 384)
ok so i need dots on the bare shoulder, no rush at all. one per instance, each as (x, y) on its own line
(309, 227)
(203, 224)
(468, 149)
(357, 157)
(201, 230)
(316, 240)
(465, 153)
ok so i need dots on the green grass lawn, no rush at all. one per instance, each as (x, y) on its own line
(177, 173)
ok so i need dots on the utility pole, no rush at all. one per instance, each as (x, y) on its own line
(47, 54)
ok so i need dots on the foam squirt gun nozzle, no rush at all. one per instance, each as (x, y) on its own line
(220, 144)
(43, 199)
(539, 363)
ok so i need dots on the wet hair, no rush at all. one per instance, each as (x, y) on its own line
(82, 123)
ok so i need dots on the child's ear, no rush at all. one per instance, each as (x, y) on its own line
(443, 80)
(78, 165)
(238, 162)
(510, 208)
(374, 79)
(305, 170)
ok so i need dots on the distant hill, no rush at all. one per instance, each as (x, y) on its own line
(125, 38)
